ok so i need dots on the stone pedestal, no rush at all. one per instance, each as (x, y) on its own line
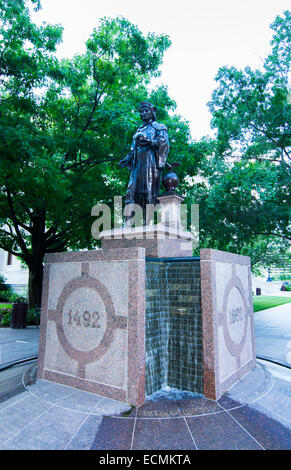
(159, 241)
(94, 310)
(227, 319)
(167, 239)
(92, 332)
(170, 204)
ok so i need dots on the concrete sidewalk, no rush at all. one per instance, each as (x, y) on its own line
(11, 379)
(18, 344)
(254, 415)
(273, 334)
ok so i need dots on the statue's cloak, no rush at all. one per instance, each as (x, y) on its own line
(146, 164)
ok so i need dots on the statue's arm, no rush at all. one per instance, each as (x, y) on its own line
(163, 147)
(127, 161)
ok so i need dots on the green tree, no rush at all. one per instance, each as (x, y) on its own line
(251, 108)
(65, 124)
(26, 56)
(268, 252)
(241, 202)
(245, 197)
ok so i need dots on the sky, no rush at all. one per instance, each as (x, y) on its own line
(205, 35)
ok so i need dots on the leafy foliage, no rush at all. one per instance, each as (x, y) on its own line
(5, 317)
(65, 125)
(245, 196)
(251, 109)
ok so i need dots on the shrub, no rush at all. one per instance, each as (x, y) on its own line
(5, 290)
(33, 316)
(8, 296)
(5, 316)
(4, 296)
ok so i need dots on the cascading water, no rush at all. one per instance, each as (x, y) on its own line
(157, 327)
(173, 325)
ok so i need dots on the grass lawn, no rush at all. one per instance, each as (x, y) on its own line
(261, 302)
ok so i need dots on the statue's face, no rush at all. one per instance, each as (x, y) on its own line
(145, 113)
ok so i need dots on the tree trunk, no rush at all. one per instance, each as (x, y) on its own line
(35, 283)
(36, 258)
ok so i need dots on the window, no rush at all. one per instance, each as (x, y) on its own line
(9, 259)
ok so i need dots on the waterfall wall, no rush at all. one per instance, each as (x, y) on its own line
(173, 325)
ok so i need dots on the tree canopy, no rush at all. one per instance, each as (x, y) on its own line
(246, 192)
(251, 109)
(65, 124)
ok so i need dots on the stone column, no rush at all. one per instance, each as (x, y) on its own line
(227, 319)
(170, 209)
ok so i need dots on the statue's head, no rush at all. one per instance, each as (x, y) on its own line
(147, 111)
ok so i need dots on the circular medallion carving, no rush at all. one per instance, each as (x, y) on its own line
(235, 316)
(85, 319)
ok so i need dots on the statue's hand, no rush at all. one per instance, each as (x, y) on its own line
(122, 163)
(126, 161)
(142, 140)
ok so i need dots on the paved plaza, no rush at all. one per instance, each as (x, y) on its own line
(255, 414)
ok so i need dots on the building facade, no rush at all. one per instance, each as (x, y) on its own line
(15, 273)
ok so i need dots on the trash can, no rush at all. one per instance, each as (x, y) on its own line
(19, 313)
(258, 291)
